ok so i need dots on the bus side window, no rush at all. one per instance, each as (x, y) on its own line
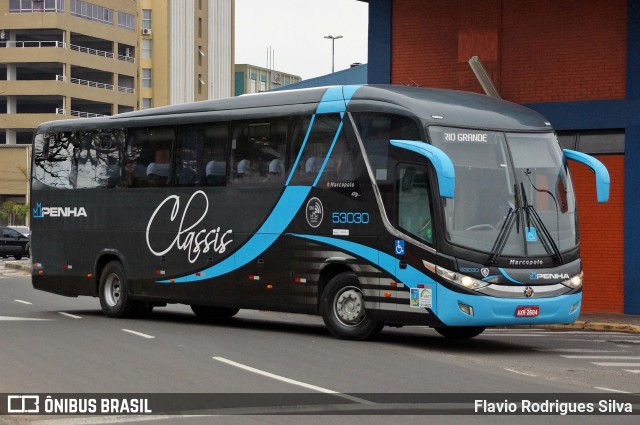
(54, 160)
(215, 154)
(414, 211)
(259, 152)
(188, 154)
(147, 158)
(99, 158)
(314, 152)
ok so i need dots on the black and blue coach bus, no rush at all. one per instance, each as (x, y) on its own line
(368, 205)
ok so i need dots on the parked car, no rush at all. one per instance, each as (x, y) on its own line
(22, 229)
(13, 243)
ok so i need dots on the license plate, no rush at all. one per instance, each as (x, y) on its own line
(527, 311)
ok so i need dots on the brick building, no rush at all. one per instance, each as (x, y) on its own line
(575, 61)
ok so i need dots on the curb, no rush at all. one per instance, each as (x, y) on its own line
(599, 326)
(25, 266)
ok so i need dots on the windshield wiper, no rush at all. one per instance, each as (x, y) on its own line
(546, 239)
(513, 217)
(525, 214)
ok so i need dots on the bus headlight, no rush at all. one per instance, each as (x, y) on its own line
(573, 282)
(461, 279)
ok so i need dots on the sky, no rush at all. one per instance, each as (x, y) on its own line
(294, 30)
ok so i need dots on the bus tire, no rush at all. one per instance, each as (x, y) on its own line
(211, 313)
(113, 292)
(343, 312)
(460, 332)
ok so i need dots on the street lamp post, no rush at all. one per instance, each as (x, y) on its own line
(333, 49)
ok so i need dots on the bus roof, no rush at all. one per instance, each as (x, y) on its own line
(432, 106)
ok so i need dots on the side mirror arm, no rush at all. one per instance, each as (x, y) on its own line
(440, 161)
(603, 182)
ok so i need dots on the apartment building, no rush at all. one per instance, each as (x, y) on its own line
(186, 51)
(62, 59)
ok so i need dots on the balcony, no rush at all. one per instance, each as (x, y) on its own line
(95, 84)
(62, 45)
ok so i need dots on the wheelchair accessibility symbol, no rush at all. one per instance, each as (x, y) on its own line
(532, 234)
(399, 247)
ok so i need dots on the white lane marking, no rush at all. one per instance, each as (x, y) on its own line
(632, 371)
(590, 357)
(276, 377)
(114, 419)
(612, 390)
(616, 364)
(15, 319)
(23, 302)
(519, 373)
(73, 316)
(139, 334)
(292, 381)
(574, 350)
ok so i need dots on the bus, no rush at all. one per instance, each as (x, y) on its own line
(368, 205)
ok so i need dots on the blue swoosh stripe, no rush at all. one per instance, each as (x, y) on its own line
(410, 276)
(284, 211)
(334, 100)
(505, 274)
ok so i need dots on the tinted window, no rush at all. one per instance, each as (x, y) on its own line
(314, 154)
(258, 152)
(414, 211)
(216, 138)
(147, 159)
(376, 130)
(54, 159)
(99, 158)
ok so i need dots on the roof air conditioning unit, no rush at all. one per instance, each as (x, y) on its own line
(146, 31)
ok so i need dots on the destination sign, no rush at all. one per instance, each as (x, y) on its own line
(466, 137)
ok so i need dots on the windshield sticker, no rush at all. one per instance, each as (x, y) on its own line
(189, 237)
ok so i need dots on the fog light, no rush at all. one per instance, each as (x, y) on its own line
(574, 307)
(466, 309)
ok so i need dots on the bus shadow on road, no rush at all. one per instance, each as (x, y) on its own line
(296, 324)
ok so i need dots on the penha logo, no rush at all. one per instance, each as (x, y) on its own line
(41, 212)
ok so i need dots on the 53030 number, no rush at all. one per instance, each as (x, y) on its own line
(350, 218)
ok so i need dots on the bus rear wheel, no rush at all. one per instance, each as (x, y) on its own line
(211, 313)
(460, 332)
(113, 292)
(343, 311)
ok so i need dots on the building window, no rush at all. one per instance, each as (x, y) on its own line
(92, 12)
(146, 48)
(200, 55)
(200, 27)
(146, 19)
(146, 77)
(126, 21)
(146, 103)
(36, 6)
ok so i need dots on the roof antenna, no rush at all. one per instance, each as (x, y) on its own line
(483, 77)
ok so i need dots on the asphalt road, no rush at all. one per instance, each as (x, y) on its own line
(54, 344)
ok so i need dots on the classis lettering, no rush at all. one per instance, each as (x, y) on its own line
(189, 237)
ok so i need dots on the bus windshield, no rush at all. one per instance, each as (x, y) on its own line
(513, 194)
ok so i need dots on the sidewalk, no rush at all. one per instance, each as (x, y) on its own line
(613, 322)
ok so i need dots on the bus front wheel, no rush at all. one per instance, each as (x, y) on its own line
(113, 292)
(460, 332)
(343, 311)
